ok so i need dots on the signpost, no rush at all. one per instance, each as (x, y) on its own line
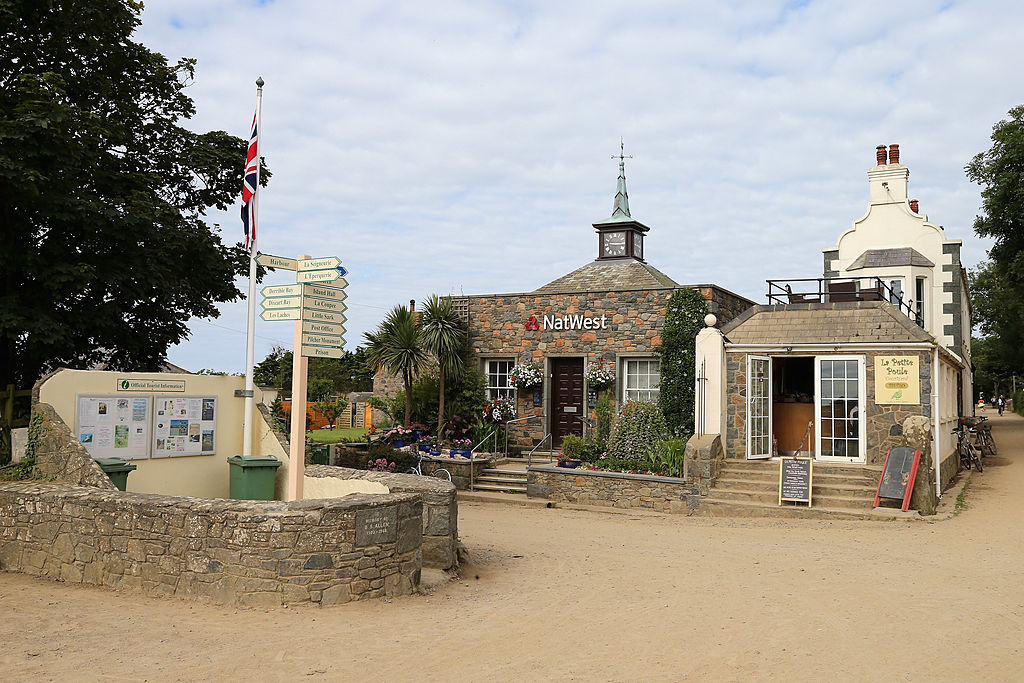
(316, 303)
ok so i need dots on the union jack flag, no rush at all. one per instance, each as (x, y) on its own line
(249, 188)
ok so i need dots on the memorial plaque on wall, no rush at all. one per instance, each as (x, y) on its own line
(376, 525)
(795, 480)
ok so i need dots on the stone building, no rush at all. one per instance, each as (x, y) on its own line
(832, 366)
(610, 312)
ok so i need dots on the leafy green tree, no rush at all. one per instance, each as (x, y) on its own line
(683, 320)
(443, 335)
(396, 346)
(348, 373)
(318, 388)
(997, 287)
(104, 240)
(331, 410)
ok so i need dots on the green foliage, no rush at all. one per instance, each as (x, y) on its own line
(26, 468)
(1018, 402)
(997, 286)
(331, 409)
(683, 320)
(668, 458)
(397, 347)
(346, 374)
(106, 193)
(605, 413)
(444, 334)
(318, 389)
(576, 447)
(342, 435)
(638, 432)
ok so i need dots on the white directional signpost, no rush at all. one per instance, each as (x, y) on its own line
(316, 303)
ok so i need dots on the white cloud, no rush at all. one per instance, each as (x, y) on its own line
(464, 146)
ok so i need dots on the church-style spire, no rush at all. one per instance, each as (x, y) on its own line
(620, 235)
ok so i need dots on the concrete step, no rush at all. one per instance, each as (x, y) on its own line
(823, 467)
(511, 481)
(825, 498)
(498, 471)
(715, 507)
(502, 487)
(764, 479)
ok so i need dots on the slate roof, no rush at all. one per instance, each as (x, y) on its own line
(617, 275)
(881, 258)
(829, 323)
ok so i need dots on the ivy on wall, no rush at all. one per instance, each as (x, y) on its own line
(684, 318)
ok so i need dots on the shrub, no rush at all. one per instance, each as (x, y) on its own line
(684, 318)
(580, 448)
(604, 421)
(638, 432)
(668, 458)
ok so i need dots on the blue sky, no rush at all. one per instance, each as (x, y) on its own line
(464, 147)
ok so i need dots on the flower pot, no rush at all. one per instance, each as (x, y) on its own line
(398, 443)
(418, 434)
(462, 453)
(424, 448)
(570, 464)
(435, 452)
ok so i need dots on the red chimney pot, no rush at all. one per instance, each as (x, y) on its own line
(894, 154)
(914, 205)
(880, 155)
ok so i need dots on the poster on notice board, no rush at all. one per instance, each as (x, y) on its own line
(184, 425)
(113, 426)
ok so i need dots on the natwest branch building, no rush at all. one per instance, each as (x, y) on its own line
(611, 312)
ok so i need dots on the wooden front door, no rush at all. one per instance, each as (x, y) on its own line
(566, 398)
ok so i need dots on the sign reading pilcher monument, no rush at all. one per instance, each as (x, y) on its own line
(897, 380)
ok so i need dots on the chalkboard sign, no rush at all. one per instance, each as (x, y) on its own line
(897, 480)
(795, 480)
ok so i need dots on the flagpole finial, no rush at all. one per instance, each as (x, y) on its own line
(259, 82)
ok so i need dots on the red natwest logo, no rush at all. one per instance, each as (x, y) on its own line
(532, 324)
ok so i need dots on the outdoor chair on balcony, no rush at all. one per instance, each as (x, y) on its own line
(842, 291)
(798, 298)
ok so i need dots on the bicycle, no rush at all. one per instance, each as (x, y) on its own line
(964, 448)
(983, 440)
(440, 472)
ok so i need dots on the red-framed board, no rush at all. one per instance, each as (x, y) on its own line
(897, 480)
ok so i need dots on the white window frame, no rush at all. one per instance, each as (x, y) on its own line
(495, 390)
(903, 289)
(921, 296)
(861, 409)
(624, 372)
(750, 395)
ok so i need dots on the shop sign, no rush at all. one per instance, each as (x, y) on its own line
(897, 380)
(567, 322)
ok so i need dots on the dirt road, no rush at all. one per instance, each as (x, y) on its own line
(574, 595)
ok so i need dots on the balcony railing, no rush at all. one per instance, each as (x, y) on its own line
(836, 289)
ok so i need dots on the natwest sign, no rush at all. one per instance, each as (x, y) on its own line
(567, 322)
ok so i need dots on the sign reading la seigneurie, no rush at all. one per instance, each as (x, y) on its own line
(317, 300)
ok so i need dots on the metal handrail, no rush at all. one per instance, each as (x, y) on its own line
(529, 457)
(519, 419)
(473, 450)
(783, 293)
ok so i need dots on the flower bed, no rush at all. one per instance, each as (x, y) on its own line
(612, 489)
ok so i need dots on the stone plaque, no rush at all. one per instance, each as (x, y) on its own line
(376, 525)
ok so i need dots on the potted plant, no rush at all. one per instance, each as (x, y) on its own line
(397, 436)
(599, 375)
(461, 448)
(428, 444)
(526, 375)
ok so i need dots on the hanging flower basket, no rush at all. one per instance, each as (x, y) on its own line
(526, 375)
(599, 376)
(500, 410)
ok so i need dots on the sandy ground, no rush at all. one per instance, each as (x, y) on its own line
(580, 595)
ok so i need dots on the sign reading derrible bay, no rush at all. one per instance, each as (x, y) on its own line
(317, 300)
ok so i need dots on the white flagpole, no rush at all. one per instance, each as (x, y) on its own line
(250, 335)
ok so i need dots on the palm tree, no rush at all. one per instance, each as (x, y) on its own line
(443, 333)
(397, 347)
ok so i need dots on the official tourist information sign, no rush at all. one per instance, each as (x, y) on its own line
(316, 305)
(898, 475)
(795, 480)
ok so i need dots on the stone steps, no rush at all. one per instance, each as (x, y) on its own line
(501, 479)
(750, 488)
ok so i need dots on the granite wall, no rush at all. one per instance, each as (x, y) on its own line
(612, 489)
(440, 522)
(253, 553)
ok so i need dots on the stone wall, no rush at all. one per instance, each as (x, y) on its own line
(440, 523)
(242, 552)
(459, 468)
(612, 489)
(60, 455)
(883, 426)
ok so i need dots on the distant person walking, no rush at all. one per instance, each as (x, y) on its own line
(1002, 403)
(995, 402)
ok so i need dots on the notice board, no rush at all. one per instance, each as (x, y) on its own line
(898, 474)
(112, 426)
(184, 425)
(795, 480)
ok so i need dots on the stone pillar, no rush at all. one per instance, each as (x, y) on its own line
(917, 434)
(710, 365)
(704, 456)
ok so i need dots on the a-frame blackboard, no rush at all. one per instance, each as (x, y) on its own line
(897, 480)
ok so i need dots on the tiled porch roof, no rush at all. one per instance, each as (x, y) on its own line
(828, 323)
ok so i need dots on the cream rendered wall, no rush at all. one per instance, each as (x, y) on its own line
(203, 476)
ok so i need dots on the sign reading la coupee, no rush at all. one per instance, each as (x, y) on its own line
(897, 380)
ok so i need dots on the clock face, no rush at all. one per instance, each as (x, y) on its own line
(615, 244)
(638, 245)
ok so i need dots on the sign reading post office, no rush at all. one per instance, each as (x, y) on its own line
(897, 380)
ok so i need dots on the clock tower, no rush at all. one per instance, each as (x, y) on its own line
(619, 236)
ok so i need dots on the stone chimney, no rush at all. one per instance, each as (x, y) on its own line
(888, 180)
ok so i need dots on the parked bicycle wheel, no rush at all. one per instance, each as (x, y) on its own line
(412, 470)
(442, 473)
(988, 443)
